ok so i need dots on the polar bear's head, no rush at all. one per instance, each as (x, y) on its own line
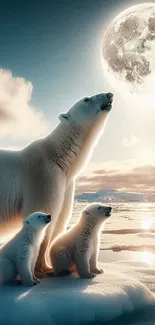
(97, 212)
(88, 110)
(37, 220)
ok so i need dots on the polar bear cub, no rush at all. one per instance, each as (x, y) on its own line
(79, 246)
(19, 255)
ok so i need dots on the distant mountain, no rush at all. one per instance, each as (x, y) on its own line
(107, 195)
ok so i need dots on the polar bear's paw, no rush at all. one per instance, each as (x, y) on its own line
(42, 269)
(97, 271)
(44, 273)
(92, 275)
(35, 282)
(48, 269)
(88, 275)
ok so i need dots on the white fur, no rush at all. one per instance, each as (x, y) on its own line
(41, 176)
(19, 255)
(79, 245)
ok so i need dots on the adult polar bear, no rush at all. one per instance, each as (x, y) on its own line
(41, 176)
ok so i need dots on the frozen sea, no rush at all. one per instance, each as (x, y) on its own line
(124, 294)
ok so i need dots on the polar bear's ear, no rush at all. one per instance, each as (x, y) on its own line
(64, 118)
(86, 212)
(25, 221)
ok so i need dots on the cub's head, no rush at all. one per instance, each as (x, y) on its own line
(97, 212)
(37, 220)
(88, 110)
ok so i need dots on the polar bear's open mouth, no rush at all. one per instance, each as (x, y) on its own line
(108, 214)
(106, 107)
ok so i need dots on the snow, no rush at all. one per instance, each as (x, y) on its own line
(118, 292)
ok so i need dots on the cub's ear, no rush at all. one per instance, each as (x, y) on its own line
(64, 118)
(86, 212)
(25, 221)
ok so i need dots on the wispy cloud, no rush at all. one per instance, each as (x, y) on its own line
(18, 119)
(137, 179)
(130, 141)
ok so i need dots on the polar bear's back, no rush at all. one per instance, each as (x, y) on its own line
(10, 183)
(9, 161)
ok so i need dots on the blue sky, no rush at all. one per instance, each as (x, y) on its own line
(55, 45)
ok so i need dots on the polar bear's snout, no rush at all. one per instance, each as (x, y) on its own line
(108, 214)
(109, 96)
(106, 101)
(47, 218)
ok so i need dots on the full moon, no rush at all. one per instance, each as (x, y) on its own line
(128, 53)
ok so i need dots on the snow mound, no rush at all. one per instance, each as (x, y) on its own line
(71, 300)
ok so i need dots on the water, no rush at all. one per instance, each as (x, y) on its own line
(129, 234)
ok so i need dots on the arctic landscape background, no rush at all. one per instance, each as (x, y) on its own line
(50, 58)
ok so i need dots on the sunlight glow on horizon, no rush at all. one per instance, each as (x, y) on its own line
(145, 156)
(146, 257)
(146, 223)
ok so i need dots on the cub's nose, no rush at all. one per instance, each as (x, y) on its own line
(110, 208)
(109, 96)
(48, 217)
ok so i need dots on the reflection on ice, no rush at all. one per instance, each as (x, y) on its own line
(146, 223)
(146, 257)
(141, 256)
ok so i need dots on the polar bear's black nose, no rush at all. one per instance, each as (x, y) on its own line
(109, 96)
(48, 217)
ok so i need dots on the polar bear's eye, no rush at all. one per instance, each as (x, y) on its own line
(39, 216)
(99, 208)
(86, 99)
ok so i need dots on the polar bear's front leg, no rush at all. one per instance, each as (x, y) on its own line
(82, 264)
(47, 196)
(61, 224)
(26, 274)
(93, 265)
(24, 260)
(66, 211)
(32, 269)
(42, 264)
(94, 258)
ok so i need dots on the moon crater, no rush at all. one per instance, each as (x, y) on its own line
(128, 52)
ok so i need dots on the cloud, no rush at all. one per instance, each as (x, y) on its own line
(131, 141)
(18, 119)
(133, 179)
